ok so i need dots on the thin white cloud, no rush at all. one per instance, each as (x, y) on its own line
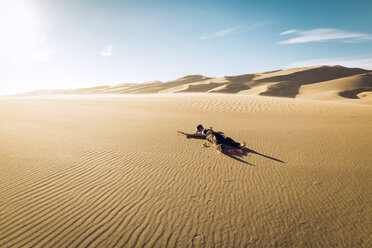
(324, 34)
(365, 63)
(235, 30)
(106, 51)
(289, 31)
(256, 25)
(220, 33)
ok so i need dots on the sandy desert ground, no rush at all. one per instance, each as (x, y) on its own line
(113, 172)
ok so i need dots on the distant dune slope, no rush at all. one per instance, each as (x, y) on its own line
(364, 82)
(348, 87)
(288, 85)
(316, 82)
(236, 84)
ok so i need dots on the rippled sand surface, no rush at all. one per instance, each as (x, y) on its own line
(113, 172)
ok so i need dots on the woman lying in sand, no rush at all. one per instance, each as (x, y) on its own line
(216, 138)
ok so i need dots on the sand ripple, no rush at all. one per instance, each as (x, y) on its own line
(114, 173)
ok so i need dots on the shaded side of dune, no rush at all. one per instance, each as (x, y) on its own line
(364, 84)
(159, 86)
(289, 85)
(236, 84)
(201, 87)
(353, 94)
(232, 88)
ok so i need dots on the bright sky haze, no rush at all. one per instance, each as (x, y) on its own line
(55, 44)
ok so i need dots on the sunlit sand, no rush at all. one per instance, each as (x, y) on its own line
(113, 172)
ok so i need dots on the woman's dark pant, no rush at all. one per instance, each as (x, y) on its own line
(226, 140)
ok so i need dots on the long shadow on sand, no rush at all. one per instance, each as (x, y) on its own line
(239, 156)
(246, 151)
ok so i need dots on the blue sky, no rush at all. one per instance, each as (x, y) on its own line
(48, 44)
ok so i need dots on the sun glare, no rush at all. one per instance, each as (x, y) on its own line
(21, 37)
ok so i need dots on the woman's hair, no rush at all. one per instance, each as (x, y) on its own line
(199, 126)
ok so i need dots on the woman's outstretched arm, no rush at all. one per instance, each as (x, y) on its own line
(190, 134)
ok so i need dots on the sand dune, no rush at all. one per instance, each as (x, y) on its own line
(304, 82)
(288, 85)
(366, 97)
(113, 172)
(348, 87)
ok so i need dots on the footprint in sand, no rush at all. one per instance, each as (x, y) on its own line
(197, 240)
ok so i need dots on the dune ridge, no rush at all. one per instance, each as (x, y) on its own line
(348, 83)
